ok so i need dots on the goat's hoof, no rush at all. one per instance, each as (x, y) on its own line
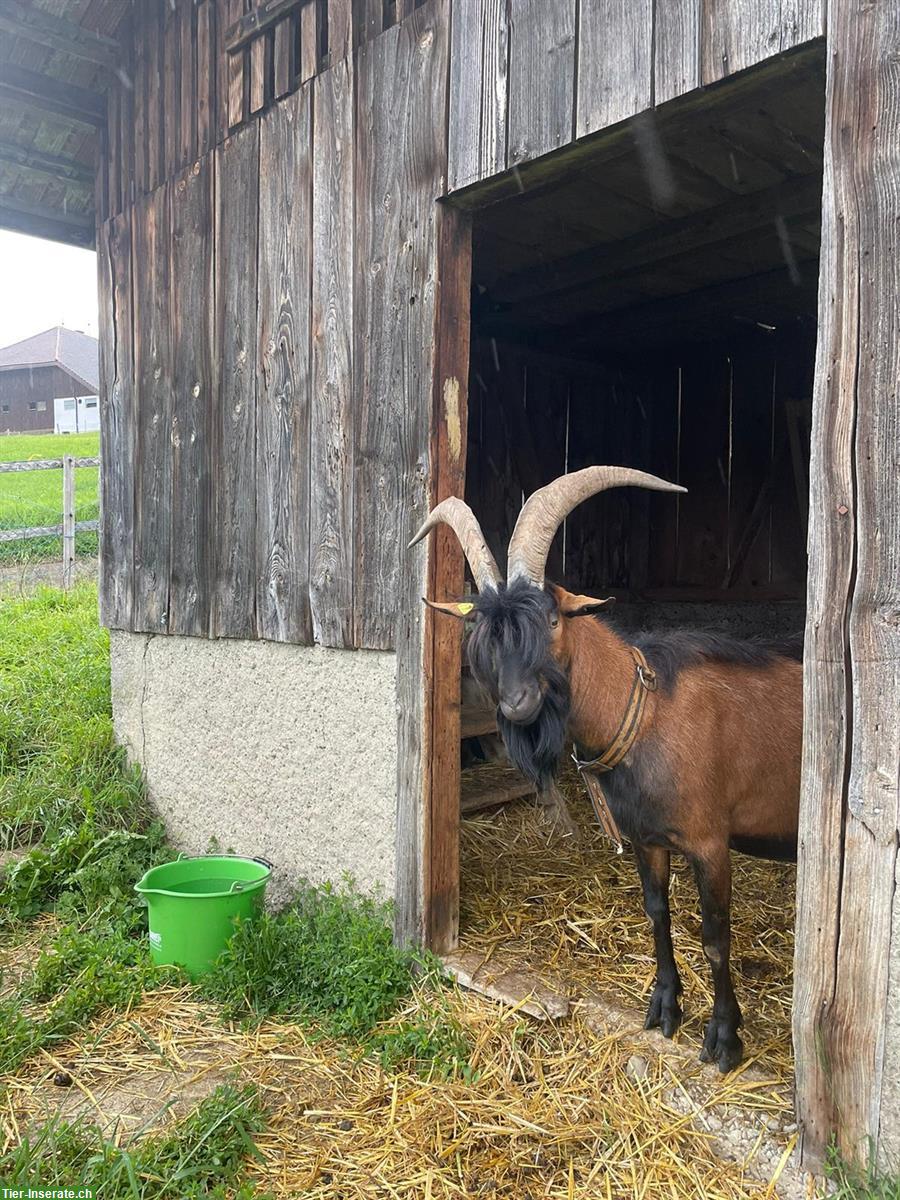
(664, 1011)
(722, 1045)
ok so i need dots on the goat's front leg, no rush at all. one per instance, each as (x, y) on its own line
(712, 870)
(664, 1011)
(556, 809)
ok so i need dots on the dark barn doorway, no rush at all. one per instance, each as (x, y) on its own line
(651, 303)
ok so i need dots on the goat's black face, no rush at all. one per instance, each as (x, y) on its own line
(511, 656)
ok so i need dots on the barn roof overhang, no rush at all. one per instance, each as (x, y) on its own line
(56, 60)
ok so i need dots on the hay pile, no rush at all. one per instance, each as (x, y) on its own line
(552, 1111)
(573, 913)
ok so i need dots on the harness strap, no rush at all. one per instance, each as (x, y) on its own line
(644, 681)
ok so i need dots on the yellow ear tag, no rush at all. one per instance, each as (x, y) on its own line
(465, 609)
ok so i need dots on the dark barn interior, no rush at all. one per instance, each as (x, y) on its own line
(655, 306)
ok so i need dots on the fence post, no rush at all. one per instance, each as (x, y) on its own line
(68, 540)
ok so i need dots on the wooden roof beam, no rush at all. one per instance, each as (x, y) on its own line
(75, 229)
(35, 90)
(55, 165)
(57, 33)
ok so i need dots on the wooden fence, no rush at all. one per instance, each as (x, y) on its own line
(69, 526)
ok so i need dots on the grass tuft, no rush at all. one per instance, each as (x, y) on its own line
(847, 1181)
(432, 1044)
(201, 1156)
(329, 958)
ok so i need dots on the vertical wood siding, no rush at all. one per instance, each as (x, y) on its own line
(559, 71)
(846, 985)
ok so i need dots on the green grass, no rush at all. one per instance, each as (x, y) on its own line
(849, 1182)
(330, 958)
(35, 497)
(203, 1155)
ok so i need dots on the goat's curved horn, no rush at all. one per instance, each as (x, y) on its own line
(546, 509)
(457, 514)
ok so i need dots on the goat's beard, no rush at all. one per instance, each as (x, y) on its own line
(536, 749)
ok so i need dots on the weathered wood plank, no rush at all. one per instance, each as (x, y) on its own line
(340, 23)
(191, 302)
(541, 77)
(331, 427)
(676, 49)
(187, 130)
(170, 134)
(237, 209)
(479, 72)
(259, 73)
(615, 62)
(400, 169)
(283, 389)
(153, 379)
(237, 89)
(285, 32)
(308, 58)
(446, 580)
(737, 34)
(154, 50)
(117, 424)
(206, 76)
(845, 990)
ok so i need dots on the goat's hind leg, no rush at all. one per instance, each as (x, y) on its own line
(712, 870)
(664, 1010)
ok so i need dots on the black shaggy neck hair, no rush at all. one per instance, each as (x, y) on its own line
(513, 625)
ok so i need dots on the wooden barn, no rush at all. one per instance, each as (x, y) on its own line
(356, 256)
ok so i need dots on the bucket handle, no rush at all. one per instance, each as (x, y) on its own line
(266, 862)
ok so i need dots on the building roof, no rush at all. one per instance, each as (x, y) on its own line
(74, 351)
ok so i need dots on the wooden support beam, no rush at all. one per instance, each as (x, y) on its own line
(34, 90)
(55, 165)
(254, 23)
(57, 33)
(847, 957)
(74, 229)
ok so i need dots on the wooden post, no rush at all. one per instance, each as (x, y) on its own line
(847, 962)
(68, 565)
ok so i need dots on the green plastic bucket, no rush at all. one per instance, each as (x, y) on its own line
(193, 903)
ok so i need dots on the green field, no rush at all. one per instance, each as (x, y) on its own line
(35, 497)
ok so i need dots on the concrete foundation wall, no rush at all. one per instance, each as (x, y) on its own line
(285, 751)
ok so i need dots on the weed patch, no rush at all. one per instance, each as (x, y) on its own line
(328, 958)
(202, 1156)
(849, 1182)
(432, 1044)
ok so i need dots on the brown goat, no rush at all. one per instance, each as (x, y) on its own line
(713, 762)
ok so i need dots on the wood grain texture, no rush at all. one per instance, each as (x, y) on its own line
(479, 72)
(332, 461)
(400, 161)
(283, 388)
(737, 34)
(171, 131)
(191, 307)
(844, 994)
(615, 62)
(237, 70)
(339, 29)
(400, 170)
(443, 635)
(117, 423)
(206, 76)
(676, 48)
(541, 77)
(153, 379)
(237, 209)
(187, 126)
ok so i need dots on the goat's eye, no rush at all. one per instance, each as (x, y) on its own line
(554, 621)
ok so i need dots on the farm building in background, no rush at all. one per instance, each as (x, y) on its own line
(358, 256)
(49, 383)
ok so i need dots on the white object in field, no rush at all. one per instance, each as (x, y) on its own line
(76, 414)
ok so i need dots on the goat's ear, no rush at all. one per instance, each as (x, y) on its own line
(581, 606)
(453, 608)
